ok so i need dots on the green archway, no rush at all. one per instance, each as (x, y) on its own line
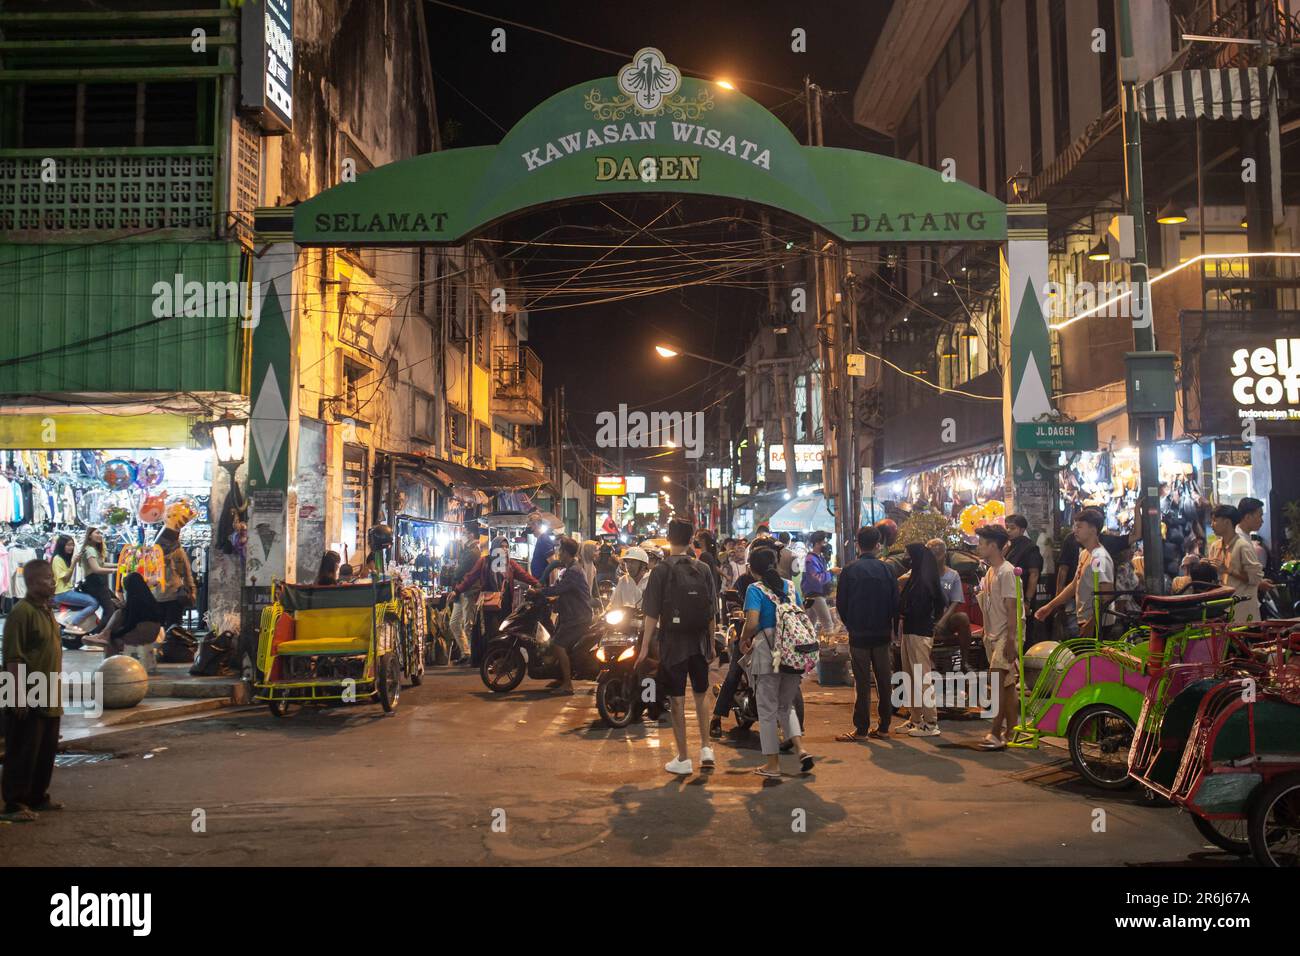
(647, 131)
(597, 140)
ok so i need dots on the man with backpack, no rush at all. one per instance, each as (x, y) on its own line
(680, 604)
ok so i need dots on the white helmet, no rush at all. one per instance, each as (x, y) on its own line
(636, 554)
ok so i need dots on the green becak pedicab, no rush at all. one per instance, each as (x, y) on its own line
(1090, 690)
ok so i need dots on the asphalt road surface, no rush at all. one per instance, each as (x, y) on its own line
(460, 776)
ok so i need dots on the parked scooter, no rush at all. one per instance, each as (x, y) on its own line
(522, 648)
(64, 613)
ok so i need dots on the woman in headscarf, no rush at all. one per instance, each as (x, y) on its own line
(492, 578)
(587, 555)
(135, 623)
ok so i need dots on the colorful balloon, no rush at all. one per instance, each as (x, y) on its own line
(150, 473)
(119, 473)
(181, 510)
(152, 508)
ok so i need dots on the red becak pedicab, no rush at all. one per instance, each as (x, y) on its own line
(1226, 746)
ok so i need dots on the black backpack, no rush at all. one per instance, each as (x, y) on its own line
(178, 647)
(215, 651)
(687, 604)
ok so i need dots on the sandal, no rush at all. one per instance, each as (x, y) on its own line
(806, 762)
(554, 684)
(851, 737)
(878, 734)
(21, 815)
(992, 743)
(563, 692)
(769, 774)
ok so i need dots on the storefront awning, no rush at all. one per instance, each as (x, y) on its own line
(802, 516)
(1230, 94)
(91, 430)
(489, 481)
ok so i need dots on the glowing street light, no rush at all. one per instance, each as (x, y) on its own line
(726, 84)
(668, 352)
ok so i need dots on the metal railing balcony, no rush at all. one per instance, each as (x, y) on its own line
(1252, 282)
(517, 385)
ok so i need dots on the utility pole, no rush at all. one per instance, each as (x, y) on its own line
(781, 380)
(1144, 320)
(832, 359)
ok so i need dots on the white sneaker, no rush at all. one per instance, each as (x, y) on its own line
(925, 730)
(906, 727)
(680, 767)
(706, 758)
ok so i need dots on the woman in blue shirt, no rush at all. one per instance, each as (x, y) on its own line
(775, 686)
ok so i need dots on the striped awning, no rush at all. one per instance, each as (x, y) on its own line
(1214, 94)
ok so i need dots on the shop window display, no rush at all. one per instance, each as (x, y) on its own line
(130, 495)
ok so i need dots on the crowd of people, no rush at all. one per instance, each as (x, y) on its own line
(97, 611)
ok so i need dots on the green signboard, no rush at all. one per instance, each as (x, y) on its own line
(648, 131)
(1056, 436)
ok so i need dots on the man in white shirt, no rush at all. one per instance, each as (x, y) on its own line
(1095, 576)
(631, 584)
(1233, 556)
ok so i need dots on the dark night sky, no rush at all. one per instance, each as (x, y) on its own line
(603, 353)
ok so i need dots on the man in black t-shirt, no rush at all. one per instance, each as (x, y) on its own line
(683, 651)
(1024, 554)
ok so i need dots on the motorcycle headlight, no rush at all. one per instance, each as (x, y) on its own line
(627, 654)
(600, 654)
(615, 617)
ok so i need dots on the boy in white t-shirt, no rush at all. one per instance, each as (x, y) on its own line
(998, 604)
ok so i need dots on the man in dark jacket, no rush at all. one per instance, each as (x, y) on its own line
(573, 600)
(867, 600)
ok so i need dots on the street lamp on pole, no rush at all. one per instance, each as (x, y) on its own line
(669, 352)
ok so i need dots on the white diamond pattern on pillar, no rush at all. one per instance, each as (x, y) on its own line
(270, 421)
(1031, 399)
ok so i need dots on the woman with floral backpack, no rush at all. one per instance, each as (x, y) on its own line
(776, 680)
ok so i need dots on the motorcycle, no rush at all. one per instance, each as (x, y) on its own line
(1283, 601)
(522, 648)
(619, 699)
(64, 613)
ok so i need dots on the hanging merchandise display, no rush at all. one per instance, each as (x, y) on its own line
(948, 488)
(1109, 480)
(128, 495)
